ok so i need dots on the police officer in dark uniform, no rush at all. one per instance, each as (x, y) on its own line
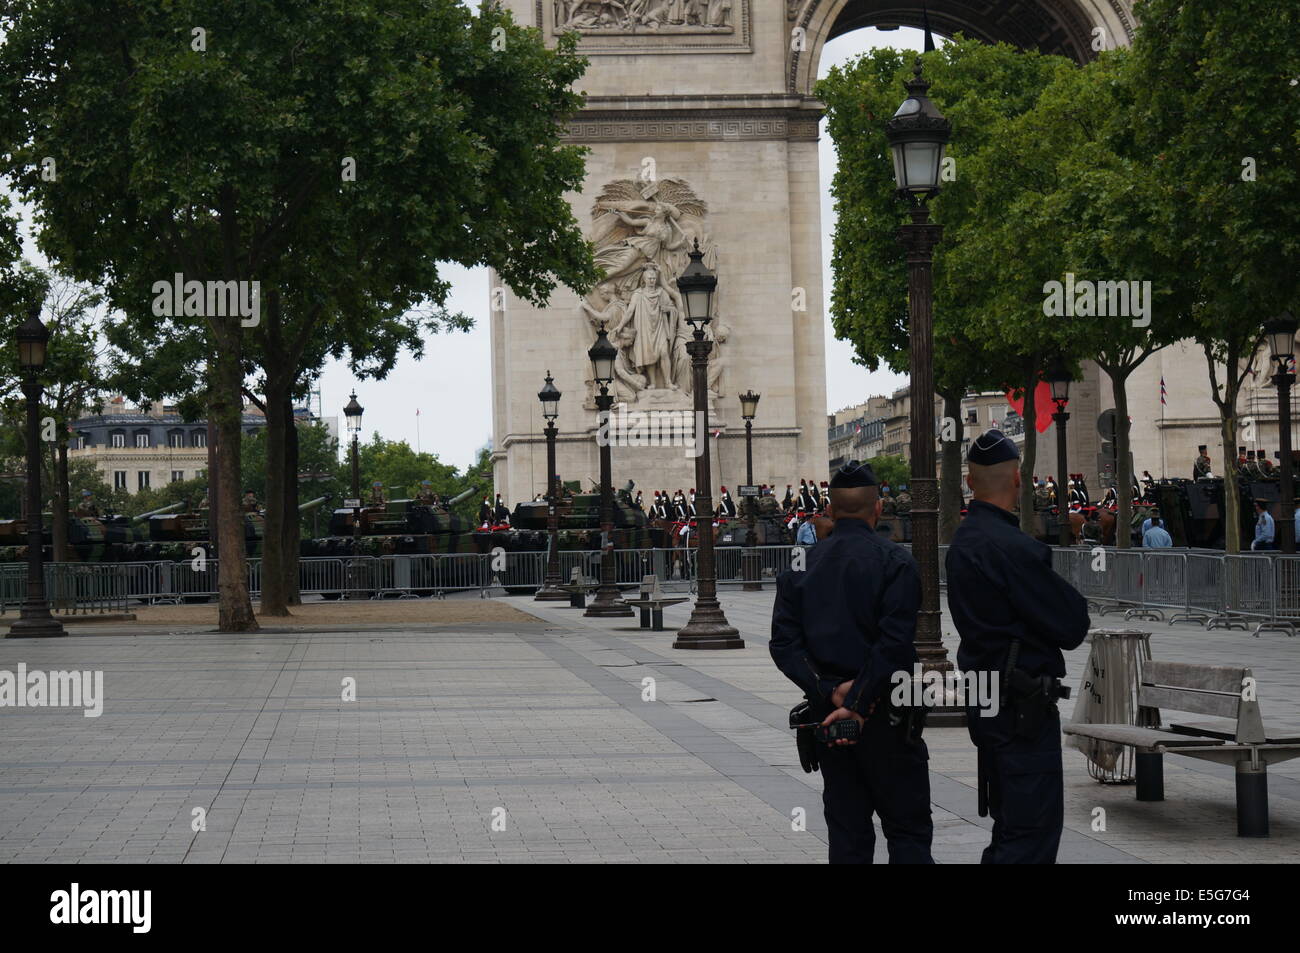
(1014, 616)
(841, 629)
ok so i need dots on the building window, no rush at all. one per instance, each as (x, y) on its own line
(118, 439)
(119, 479)
(142, 479)
(198, 438)
(176, 438)
(142, 438)
(178, 475)
(83, 441)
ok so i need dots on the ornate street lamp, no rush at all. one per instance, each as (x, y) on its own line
(607, 603)
(549, 395)
(1281, 333)
(708, 627)
(34, 620)
(917, 135)
(352, 414)
(1058, 378)
(748, 409)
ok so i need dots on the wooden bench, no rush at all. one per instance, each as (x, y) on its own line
(578, 588)
(651, 602)
(1239, 739)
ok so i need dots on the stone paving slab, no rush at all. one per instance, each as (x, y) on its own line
(542, 726)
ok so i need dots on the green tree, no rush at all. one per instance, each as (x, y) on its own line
(1217, 106)
(982, 340)
(334, 152)
(893, 469)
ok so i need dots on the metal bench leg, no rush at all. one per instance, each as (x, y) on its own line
(645, 616)
(1252, 799)
(1150, 776)
(657, 617)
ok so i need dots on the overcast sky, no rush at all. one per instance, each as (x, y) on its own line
(451, 385)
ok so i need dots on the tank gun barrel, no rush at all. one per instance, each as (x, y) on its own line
(312, 504)
(460, 497)
(158, 512)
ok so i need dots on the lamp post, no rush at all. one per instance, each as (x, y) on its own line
(748, 409)
(34, 620)
(708, 627)
(607, 603)
(917, 135)
(1281, 333)
(1058, 376)
(549, 395)
(352, 414)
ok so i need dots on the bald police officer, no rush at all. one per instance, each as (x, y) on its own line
(841, 629)
(1014, 615)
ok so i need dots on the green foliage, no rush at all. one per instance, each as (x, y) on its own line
(892, 469)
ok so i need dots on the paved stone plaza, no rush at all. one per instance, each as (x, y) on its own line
(538, 723)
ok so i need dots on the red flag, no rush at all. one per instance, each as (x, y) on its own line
(1043, 406)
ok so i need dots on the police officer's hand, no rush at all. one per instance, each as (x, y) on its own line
(839, 714)
(841, 690)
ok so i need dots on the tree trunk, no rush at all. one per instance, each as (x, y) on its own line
(1123, 472)
(225, 408)
(292, 522)
(1231, 496)
(1028, 454)
(950, 469)
(59, 527)
(275, 599)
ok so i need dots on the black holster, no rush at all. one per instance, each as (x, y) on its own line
(804, 723)
(1033, 698)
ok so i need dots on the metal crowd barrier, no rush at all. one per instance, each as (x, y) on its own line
(1211, 589)
(1215, 590)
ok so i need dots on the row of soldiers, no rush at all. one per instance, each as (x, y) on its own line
(1251, 464)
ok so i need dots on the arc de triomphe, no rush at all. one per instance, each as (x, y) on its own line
(702, 126)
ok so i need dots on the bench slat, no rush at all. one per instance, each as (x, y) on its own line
(1197, 701)
(1275, 736)
(1206, 678)
(1137, 737)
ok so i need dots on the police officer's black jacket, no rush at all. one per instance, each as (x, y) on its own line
(849, 615)
(1001, 586)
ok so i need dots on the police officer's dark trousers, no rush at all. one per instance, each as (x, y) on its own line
(1026, 794)
(882, 775)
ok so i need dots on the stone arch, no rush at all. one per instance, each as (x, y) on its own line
(1064, 27)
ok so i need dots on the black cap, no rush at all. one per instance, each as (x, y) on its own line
(990, 447)
(853, 474)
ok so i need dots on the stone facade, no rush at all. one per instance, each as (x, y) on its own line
(715, 95)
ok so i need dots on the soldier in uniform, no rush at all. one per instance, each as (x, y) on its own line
(485, 512)
(638, 502)
(377, 492)
(903, 504)
(1014, 616)
(1266, 470)
(249, 503)
(1042, 496)
(1251, 469)
(788, 503)
(841, 629)
(726, 506)
(1148, 487)
(806, 501)
(501, 512)
(886, 502)
(87, 508)
(824, 496)
(1052, 492)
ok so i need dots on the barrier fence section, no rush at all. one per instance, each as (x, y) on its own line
(1215, 590)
